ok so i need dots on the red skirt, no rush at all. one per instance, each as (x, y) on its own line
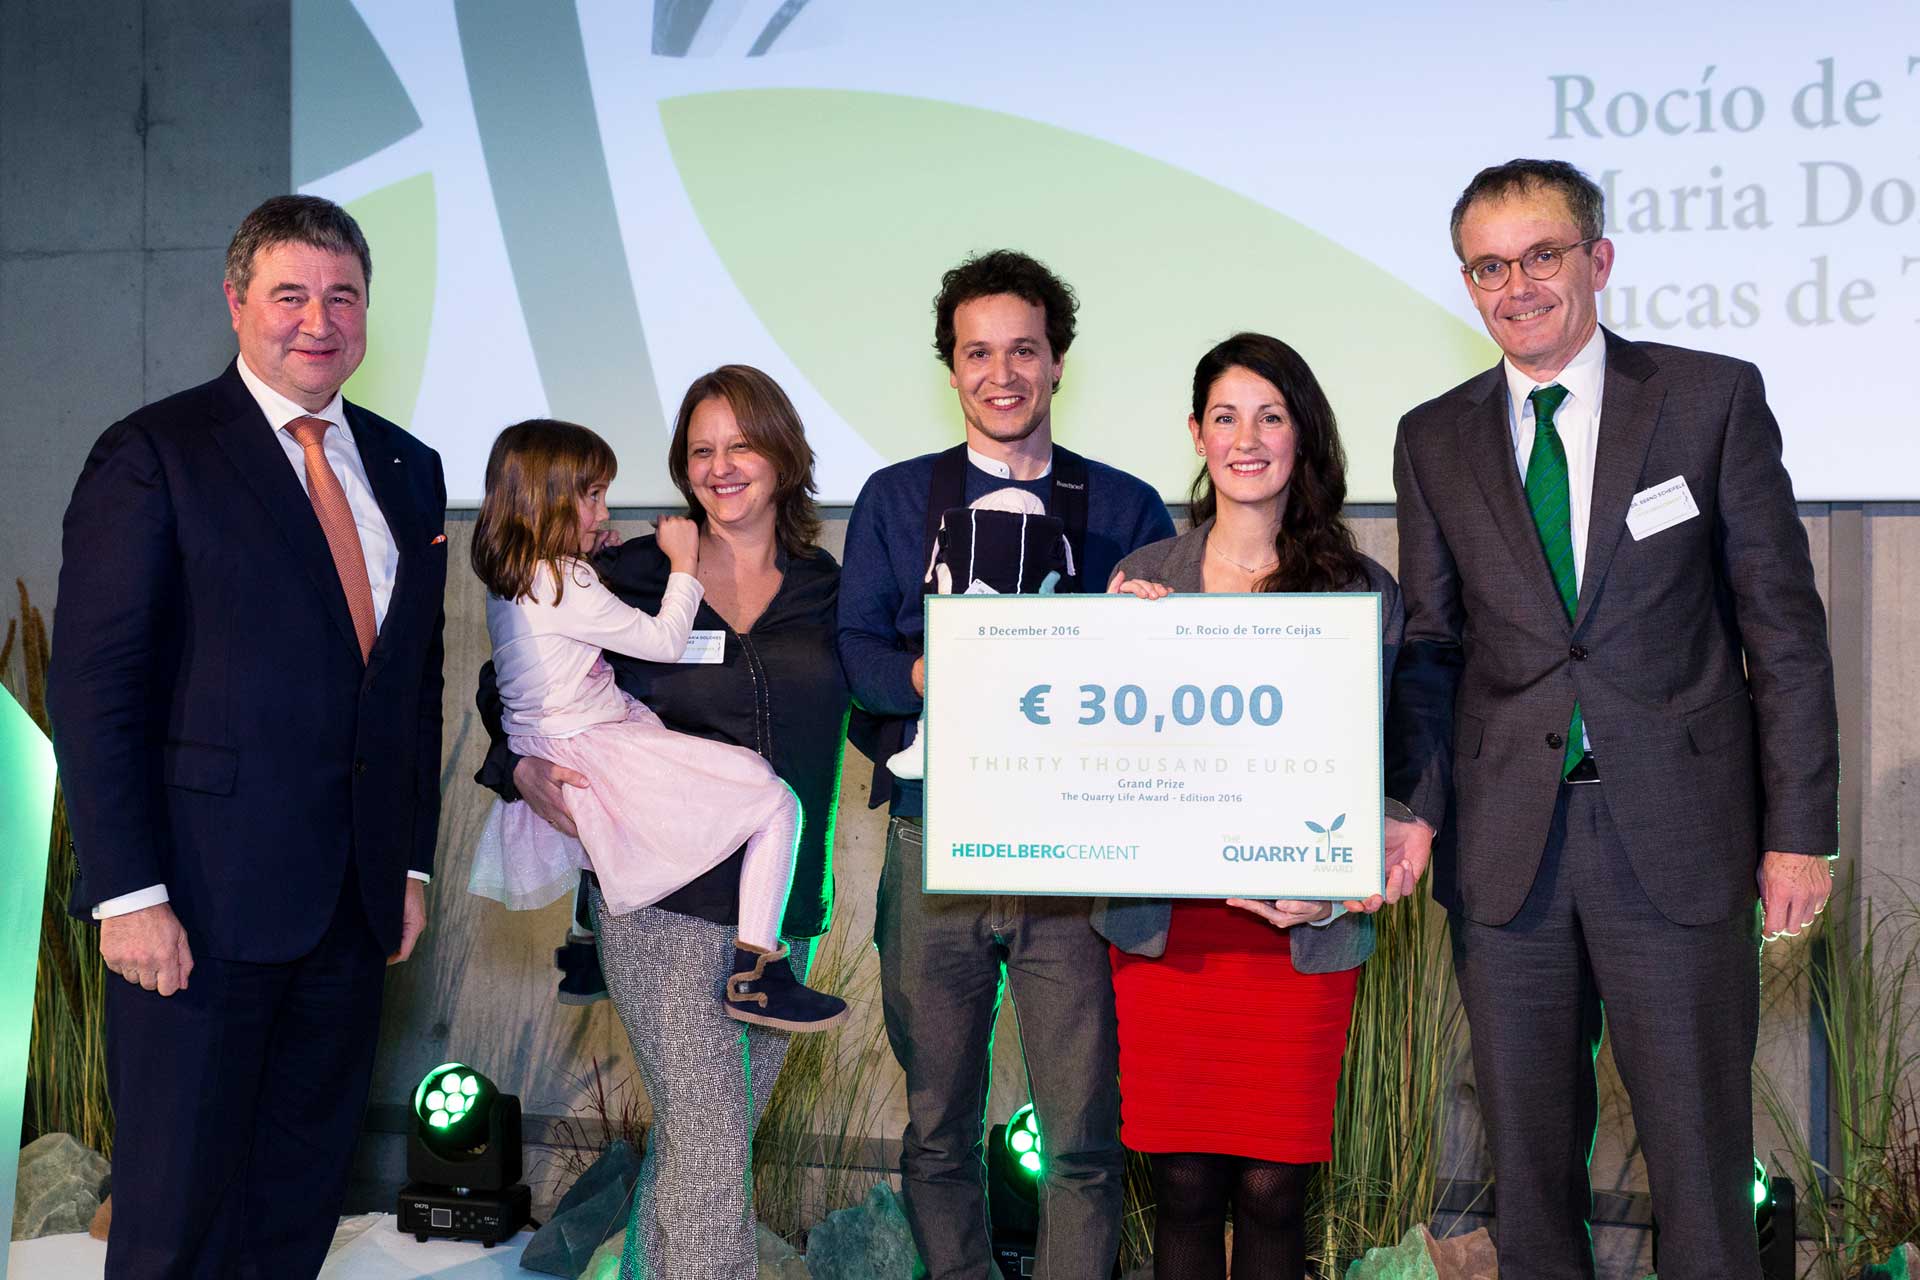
(1224, 1047)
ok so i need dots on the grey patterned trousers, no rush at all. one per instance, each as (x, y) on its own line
(707, 1077)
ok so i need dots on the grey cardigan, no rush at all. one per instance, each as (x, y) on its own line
(1139, 925)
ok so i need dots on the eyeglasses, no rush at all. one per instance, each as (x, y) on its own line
(1543, 263)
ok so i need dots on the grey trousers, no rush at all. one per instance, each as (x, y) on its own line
(1682, 1006)
(707, 1077)
(942, 961)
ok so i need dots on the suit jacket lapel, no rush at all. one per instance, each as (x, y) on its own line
(1185, 566)
(1486, 441)
(243, 435)
(387, 476)
(1629, 410)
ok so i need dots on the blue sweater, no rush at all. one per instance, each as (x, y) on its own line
(886, 559)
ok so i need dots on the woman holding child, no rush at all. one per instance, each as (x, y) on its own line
(750, 584)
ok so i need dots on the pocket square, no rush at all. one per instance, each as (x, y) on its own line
(438, 538)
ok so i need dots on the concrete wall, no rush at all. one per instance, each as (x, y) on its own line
(134, 135)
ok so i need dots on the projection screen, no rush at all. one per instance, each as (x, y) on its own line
(575, 209)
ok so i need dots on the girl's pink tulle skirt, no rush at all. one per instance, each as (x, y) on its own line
(663, 808)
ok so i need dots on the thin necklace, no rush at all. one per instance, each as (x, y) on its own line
(1249, 569)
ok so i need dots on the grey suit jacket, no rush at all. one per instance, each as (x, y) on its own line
(1139, 925)
(1698, 654)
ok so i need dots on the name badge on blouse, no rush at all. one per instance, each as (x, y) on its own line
(706, 647)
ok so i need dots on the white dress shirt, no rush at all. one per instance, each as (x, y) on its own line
(1578, 422)
(382, 554)
(998, 469)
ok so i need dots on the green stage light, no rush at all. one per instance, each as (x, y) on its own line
(450, 1103)
(1023, 1142)
(1774, 1205)
(1016, 1167)
(463, 1160)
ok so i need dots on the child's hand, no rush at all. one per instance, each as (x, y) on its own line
(679, 540)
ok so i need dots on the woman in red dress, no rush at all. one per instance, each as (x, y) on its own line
(1233, 1015)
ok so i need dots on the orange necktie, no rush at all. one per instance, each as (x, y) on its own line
(336, 521)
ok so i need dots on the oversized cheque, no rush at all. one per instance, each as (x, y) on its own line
(1204, 746)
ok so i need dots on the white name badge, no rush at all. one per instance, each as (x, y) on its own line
(1661, 507)
(707, 648)
(1201, 746)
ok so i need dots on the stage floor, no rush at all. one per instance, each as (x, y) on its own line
(365, 1248)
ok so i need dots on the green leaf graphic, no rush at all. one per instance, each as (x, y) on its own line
(836, 212)
(399, 224)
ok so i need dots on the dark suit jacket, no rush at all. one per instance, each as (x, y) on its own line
(1140, 925)
(215, 727)
(1698, 654)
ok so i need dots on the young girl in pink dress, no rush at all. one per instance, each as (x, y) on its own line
(662, 807)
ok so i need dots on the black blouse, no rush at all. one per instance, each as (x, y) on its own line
(778, 691)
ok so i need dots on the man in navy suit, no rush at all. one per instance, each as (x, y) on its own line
(245, 695)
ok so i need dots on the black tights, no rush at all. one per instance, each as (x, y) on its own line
(1192, 1193)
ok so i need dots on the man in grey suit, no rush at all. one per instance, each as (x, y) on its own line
(1615, 708)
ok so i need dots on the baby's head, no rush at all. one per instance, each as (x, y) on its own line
(546, 486)
(1012, 498)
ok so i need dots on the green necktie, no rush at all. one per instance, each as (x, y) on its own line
(1553, 517)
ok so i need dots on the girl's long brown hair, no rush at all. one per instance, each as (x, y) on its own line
(537, 474)
(1315, 547)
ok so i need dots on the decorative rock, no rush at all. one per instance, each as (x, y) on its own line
(594, 1209)
(60, 1187)
(1468, 1257)
(868, 1242)
(1903, 1265)
(1407, 1260)
(605, 1262)
(778, 1259)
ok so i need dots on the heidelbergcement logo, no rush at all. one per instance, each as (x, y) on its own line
(1322, 852)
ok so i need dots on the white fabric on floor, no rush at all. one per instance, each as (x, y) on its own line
(365, 1250)
(73, 1257)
